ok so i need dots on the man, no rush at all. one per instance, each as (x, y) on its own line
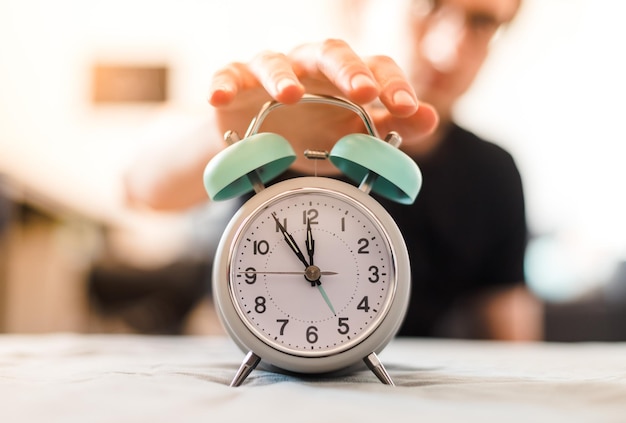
(466, 232)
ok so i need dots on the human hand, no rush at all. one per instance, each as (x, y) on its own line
(330, 67)
(171, 178)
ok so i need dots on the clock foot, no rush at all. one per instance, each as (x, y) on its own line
(249, 363)
(378, 369)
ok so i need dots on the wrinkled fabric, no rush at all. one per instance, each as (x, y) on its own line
(129, 378)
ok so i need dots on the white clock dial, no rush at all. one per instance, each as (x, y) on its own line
(331, 294)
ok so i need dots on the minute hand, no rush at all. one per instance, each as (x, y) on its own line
(290, 241)
(302, 273)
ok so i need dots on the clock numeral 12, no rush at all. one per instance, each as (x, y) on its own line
(310, 215)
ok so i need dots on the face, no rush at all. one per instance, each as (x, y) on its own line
(450, 40)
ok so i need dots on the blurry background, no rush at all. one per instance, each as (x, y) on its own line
(84, 86)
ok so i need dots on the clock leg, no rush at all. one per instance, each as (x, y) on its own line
(378, 369)
(249, 363)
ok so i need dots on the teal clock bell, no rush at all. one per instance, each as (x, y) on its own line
(312, 274)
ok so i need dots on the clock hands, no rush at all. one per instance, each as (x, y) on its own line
(290, 241)
(310, 243)
(312, 273)
(326, 299)
(315, 276)
(302, 273)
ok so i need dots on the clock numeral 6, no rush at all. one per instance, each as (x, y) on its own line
(311, 335)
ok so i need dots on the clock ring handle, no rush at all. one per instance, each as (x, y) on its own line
(268, 107)
(378, 165)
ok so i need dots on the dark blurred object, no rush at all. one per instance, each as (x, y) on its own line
(599, 316)
(160, 300)
(5, 207)
(150, 301)
(5, 218)
(116, 83)
(615, 291)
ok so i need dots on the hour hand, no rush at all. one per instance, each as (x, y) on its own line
(310, 242)
(290, 241)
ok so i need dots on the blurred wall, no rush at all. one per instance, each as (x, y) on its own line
(551, 94)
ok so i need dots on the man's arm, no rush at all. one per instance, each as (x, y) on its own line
(511, 313)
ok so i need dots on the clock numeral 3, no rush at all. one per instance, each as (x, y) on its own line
(375, 277)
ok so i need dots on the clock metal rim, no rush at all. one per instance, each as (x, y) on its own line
(249, 339)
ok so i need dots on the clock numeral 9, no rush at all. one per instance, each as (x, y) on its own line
(250, 275)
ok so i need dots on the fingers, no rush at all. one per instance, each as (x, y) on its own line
(336, 62)
(268, 70)
(396, 93)
(328, 67)
(228, 81)
(413, 128)
(276, 73)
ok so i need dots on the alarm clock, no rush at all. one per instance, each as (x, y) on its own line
(312, 274)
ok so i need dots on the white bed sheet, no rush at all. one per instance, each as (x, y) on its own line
(127, 378)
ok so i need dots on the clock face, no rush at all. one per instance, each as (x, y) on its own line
(311, 271)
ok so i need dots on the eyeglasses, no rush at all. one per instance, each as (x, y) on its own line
(480, 25)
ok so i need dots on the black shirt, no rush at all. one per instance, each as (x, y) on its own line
(466, 230)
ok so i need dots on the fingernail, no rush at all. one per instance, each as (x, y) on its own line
(283, 84)
(403, 98)
(360, 81)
